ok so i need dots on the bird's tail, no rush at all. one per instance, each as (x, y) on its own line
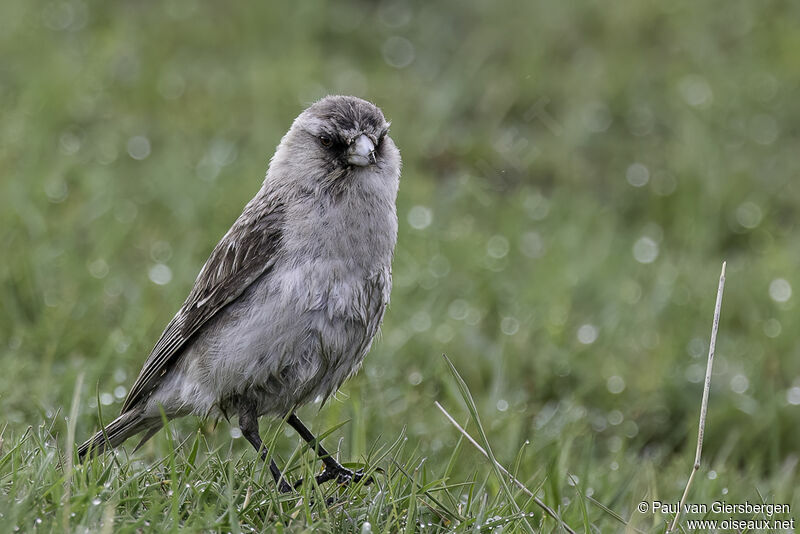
(120, 429)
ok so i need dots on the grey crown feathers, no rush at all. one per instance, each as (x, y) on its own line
(288, 303)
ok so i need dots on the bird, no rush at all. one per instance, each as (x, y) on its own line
(290, 299)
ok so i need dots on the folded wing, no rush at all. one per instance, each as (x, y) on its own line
(245, 253)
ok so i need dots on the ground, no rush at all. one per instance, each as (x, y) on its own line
(574, 176)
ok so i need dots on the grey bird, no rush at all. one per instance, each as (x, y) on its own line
(288, 303)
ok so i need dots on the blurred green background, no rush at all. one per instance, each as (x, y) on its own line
(574, 176)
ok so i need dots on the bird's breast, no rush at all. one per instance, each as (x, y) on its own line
(333, 288)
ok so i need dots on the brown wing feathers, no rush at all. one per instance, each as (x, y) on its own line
(246, 252)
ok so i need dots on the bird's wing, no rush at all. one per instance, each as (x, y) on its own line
(246, 252)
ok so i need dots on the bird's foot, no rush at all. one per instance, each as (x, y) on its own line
(340, 474)
(284, 487)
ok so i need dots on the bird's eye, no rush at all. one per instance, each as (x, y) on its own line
(325, 141)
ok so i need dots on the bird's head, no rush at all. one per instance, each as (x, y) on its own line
(335, 138)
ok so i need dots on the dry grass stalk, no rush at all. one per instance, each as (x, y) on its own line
(704, 404)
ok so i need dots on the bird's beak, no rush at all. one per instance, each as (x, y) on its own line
(361, 151)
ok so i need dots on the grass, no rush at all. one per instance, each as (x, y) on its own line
(574, 175)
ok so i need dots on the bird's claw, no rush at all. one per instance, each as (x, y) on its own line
(284, 487)
(344, 476)
(341, 475)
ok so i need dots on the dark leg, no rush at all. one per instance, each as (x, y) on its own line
(248, 424)
(333, 469)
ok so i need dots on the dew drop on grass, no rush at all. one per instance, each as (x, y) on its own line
(96, 501)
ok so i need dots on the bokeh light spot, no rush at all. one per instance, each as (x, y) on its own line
(139, 147)
(420, 217)
(615, 417)
(98, 268)
(645, 250)
(587, 334)
(637, 175)
(160, 274)
(509, 326)
(739, 383)
(398, 52)
(497, 247)
(780, 290)
(763, 129)
(532, 245)
(615, 384)
(748, 214)
(696, 91)
(772, 327)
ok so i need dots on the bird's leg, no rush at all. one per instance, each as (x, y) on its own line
(248, 424)
(333, 469)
